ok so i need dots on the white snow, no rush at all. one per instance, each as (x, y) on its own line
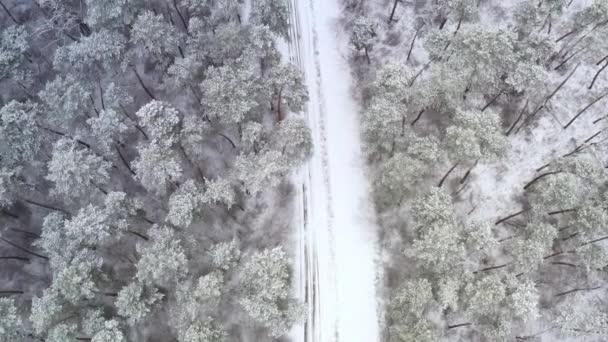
(337, 247)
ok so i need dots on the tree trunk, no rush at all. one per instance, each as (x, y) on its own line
(409, 52)
(9, 14)
(447, 174)
(23, 249)
(491, 102)
(279, 99)
(563, 211)
(518, 118)
(46, 206)
(124, 160)
(565, 36)
(597, 75)
(540, 177)
(417, 118)
(421, 70)
(10, 292)
(510, 217)
(15, 258)
(578, 290)
(578, 115)
(369, 61)
(139, 235)
(492, 268)
(227, 139)
(181, 17)
(141, 82)
(390, 19)
(466, 175)
(459, 325)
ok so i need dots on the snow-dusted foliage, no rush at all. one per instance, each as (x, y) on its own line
(163, 259)
(142, 145)
(265, 288)
(75, 170)
(274, 14)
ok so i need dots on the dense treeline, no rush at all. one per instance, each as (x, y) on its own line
(144, 153)
(444, 90)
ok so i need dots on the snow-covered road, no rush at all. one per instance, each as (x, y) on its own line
(337, 242)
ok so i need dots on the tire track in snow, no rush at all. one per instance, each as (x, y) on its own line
(337, 241)
(315, 240)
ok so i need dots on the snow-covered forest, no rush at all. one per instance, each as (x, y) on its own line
(485, 133)
(145, 149)
(303, 170)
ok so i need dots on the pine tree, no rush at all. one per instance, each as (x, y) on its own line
(227, 93)
(266, 294)
(288, 89)
(76, 170)
(157, 166)
(102, 49)
(163, 259)
(293, 139)
(136, 301)
(13, 45)
(274, 14)
(19, 135)
(159, 119)
(11, 324)
(155, 36)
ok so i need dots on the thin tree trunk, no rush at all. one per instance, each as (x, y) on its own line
(578, 115)
(10, 292)
(602, 60)
(139, 235)
(491, 102)
(390, 19)
(510, 217)
(564, 264)
(181, 17)
(417, 118)
(124, 160)
(369, 61)
(597, 75)
(409, 53)
(141, 82)
(468, 173)
(562, 83)
(9, 13)
(15, 258)
(539, 177)
(563, 211)
(9, 214)
(279, 99)
(46, 206)
(458, 26)
(491, 268)
(521, 114)
(565, 36)
(600, 119)
(23, 249)
(103, 105)
(421, 70)
(61, 134)
(228, 139)
(577, 290)
(27, 233)
(568, 59)
(443, 22)
(459, 325)
(529, 118)
(447, 174)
